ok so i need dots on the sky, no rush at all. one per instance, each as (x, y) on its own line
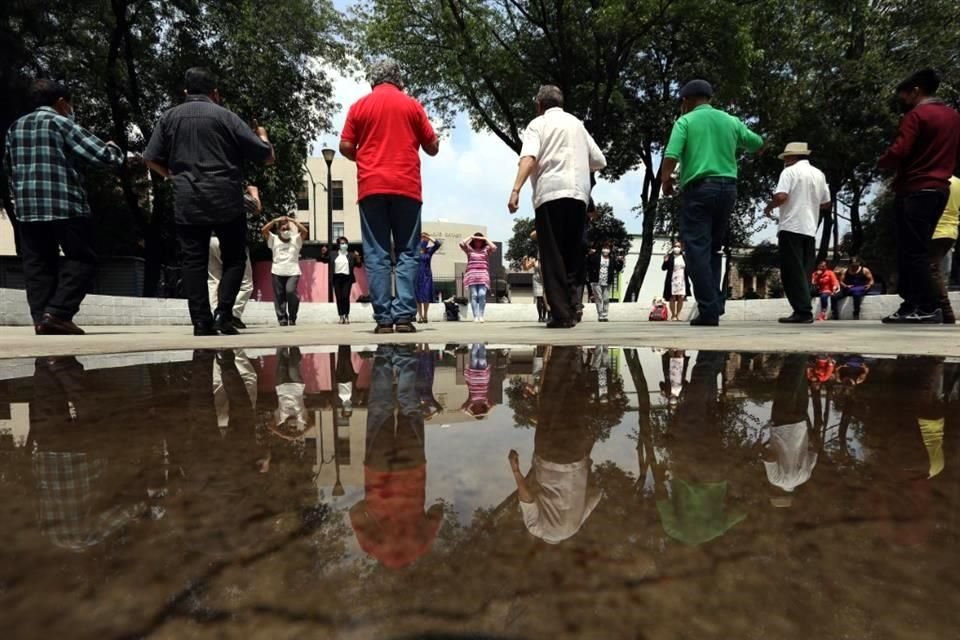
(471, 178)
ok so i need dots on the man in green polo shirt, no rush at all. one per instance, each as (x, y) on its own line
(704, 143)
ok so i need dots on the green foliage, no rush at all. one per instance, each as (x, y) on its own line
(521, 245)
(607, 227)
(124, 61)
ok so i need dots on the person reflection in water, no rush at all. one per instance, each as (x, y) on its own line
(558, 495)
(346, 382)
(426, 368)
(79, 502)
(221, 399)
(390, 523)
(790, 451)
(290, 420)
(477, 376)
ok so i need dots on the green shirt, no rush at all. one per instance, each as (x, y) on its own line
(705, 142)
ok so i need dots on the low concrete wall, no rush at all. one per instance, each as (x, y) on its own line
(111, 310)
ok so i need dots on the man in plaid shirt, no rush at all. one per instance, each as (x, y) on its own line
(44, 152)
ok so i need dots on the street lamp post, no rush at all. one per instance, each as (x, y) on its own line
(328, 155)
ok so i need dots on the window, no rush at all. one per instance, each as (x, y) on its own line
(303, 198)
(338, 230)
(337, 195)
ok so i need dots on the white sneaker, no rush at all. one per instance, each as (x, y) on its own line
(482, 320)
(476, 319)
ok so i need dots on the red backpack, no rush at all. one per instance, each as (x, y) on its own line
(659, 313)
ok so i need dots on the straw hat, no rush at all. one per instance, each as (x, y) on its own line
(795, 149)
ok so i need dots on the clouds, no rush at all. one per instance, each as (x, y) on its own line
(470, 180)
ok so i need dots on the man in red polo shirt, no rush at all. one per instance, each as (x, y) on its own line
(384, 133)
(924, 155)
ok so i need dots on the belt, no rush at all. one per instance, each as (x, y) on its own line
(712, 180)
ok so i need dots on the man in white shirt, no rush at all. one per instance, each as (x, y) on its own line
(801, 194)
(558, 155)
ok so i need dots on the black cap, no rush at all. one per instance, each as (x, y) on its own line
(697, 88)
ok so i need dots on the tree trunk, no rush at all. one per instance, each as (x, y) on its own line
(828, 221)
(856, 224)
(651, 187)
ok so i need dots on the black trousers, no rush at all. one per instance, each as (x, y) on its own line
(917, 216)
(54, 285)
(559, 225)
(195, 256)
(797, 255)
(341, 291)
(286, 300)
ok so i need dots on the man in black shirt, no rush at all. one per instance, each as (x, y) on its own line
(202, 146)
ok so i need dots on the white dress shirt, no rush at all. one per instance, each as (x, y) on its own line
(565, 154)
(806, 188)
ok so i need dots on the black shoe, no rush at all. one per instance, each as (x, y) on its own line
(54, 326)
(797, 319)
(900, 316)
(926, 317)
(283, 322)
(293, 322)
(700, 321)
(384, 328)
(405, 327)
(224, 325)
(204, 329)
(238, 323)
(559, 324)
(603, 320)
(856, 316)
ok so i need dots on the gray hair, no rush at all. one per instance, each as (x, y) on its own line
(549, 96)
(386, 71)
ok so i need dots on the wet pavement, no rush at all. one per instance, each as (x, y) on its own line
(477, 492)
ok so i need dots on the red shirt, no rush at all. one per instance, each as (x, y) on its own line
(825, 282)
(388, 128)
(401, 531)
(927, 149)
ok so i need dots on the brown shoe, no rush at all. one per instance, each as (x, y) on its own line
(53, 326)
(406, 327)
(384, 328)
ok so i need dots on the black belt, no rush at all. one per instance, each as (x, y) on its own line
(712, 180)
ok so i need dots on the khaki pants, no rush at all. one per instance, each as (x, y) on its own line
(215, 272)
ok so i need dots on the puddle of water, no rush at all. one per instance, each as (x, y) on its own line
(525, 492)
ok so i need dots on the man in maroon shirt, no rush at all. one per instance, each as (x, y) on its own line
(924, 156)
(383, 134)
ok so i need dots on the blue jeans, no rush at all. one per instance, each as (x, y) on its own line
(478, 299)
(705, 208)
(391, 221)
(394, 403)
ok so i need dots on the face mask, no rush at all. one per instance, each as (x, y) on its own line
(605, 252)
(343, 248)
(286, 234)
(676, 251)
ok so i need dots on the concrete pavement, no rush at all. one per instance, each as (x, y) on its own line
(833, 337)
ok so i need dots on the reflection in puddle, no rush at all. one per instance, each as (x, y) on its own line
(517, 492)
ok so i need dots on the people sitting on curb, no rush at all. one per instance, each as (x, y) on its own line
(827, 285)
(856, 282)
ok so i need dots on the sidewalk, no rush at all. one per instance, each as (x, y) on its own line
(867, 337)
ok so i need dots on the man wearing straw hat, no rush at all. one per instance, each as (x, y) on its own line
(801, 193)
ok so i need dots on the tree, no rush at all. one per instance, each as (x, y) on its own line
(521, 245)
(125, 60)
(607, 227)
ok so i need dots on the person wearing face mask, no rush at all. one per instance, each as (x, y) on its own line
(342, 277)
(202, 148)
(286, 266)
(704, 144)
(924, 156)
(603, 268)
(676, 282)
(425, 292)
(43, 151)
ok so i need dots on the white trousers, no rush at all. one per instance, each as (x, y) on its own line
(215, 272)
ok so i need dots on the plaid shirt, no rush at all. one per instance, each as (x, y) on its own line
(43, 152)
(70, 487)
